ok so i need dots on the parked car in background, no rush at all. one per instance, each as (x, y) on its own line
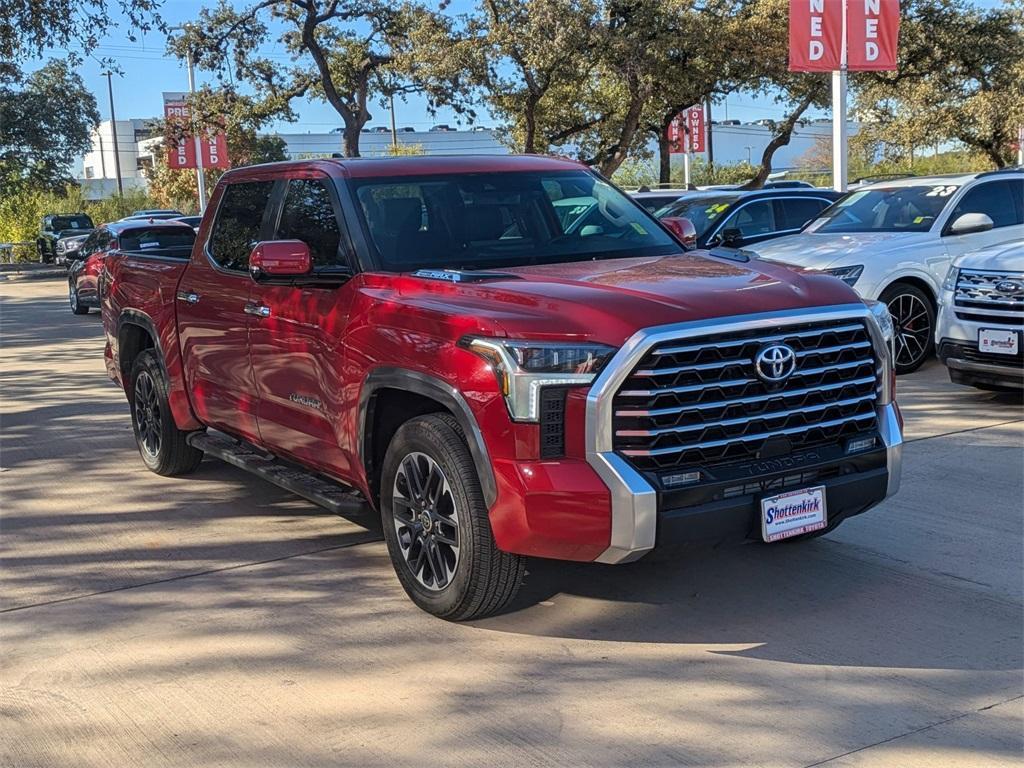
(894, 242)
(55, 226)
(153, 216)
(144, 239)
(192, 221)
(67, 248)
(981, 318)
(161, 212)
(788, 184)
(655, 199)
(506, 358)
(737, 218)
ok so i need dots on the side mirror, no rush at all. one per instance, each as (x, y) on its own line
(279, 258)
(683, 230)
(969, 223)
(732, 237)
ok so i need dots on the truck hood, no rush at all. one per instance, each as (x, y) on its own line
(820, 251)
(610, 300)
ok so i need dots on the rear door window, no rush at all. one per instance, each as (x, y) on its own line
(239, 223)
(794, 212)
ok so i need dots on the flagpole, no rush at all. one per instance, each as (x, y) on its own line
(840, 135)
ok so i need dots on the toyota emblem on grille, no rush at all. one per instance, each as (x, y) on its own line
(775, 363)
(1010, 287)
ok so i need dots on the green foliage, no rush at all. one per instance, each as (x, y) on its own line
(20, 213)
(403, 150)
(45, 123)
(30, 27)
(960, 78)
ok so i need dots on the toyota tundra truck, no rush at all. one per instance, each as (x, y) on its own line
(502, 357)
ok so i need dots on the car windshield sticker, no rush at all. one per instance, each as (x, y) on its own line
(638, 228)
(941, 191)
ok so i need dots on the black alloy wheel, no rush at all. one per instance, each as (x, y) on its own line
(913, 321)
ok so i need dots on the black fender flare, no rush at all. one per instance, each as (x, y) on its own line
(144, 321)
(444, 394)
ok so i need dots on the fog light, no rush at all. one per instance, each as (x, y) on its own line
(859, 444)
(683, 478)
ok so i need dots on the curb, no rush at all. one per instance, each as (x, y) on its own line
(49, 274)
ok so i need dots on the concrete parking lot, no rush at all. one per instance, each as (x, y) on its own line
(216, 620)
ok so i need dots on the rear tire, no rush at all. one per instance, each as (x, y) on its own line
(161, 444)
(437, 527)
(77, 307)
(913, 318)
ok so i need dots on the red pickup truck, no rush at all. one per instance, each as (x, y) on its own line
(504, 357)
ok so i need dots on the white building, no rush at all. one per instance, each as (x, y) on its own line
(136, 144)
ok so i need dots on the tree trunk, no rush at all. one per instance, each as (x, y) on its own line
(780, 139)
(617, 155)
(350, 139)
(530, 118)
(664, 156)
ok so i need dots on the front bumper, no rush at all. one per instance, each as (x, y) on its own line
(642, 518)
(968, 366)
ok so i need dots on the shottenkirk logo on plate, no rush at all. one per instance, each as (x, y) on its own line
(789, 510)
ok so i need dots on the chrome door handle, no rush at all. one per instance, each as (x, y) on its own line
(260, 310)
(190, 297)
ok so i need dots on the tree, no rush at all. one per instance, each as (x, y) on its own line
(960, 78)
(761, 32)
(30, 27)
(215, 110)
(40, 135)
(339, 52)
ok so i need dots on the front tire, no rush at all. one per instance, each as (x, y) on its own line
(161, 444)
(913, 318)
(77, 307)
(436, 524)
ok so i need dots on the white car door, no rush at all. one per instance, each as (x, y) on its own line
(1002, 200)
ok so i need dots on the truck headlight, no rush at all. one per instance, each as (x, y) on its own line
(883, 319)
(523, 367)
(61, 246)
(949, 284)
(848, 275)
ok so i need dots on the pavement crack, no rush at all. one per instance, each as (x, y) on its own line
(183, 576)
(963, 431)
(952, 719)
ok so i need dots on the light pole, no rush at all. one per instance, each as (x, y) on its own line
(113, 131)
(200, 179)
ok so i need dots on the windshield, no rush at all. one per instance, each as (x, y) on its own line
(60, 223)
(702, 211)
(886, 209)
(495, 220)
(170, 242)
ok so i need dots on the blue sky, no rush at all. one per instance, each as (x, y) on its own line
(148, 71)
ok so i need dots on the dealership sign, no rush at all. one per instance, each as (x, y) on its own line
(816, 35)
(182, 146)
(686, 131)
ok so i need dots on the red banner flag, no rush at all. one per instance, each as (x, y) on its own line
(695, 122)
(181, 144)
(815, 35)
(872, 29)
(677, 134)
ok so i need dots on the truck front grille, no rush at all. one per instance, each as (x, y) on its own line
(700, 402)
(986, 290)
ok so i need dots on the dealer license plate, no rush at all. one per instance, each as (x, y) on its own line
(793, 513)
(998, 341)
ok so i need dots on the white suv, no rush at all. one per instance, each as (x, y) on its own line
(981, 318)
(894, 241)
